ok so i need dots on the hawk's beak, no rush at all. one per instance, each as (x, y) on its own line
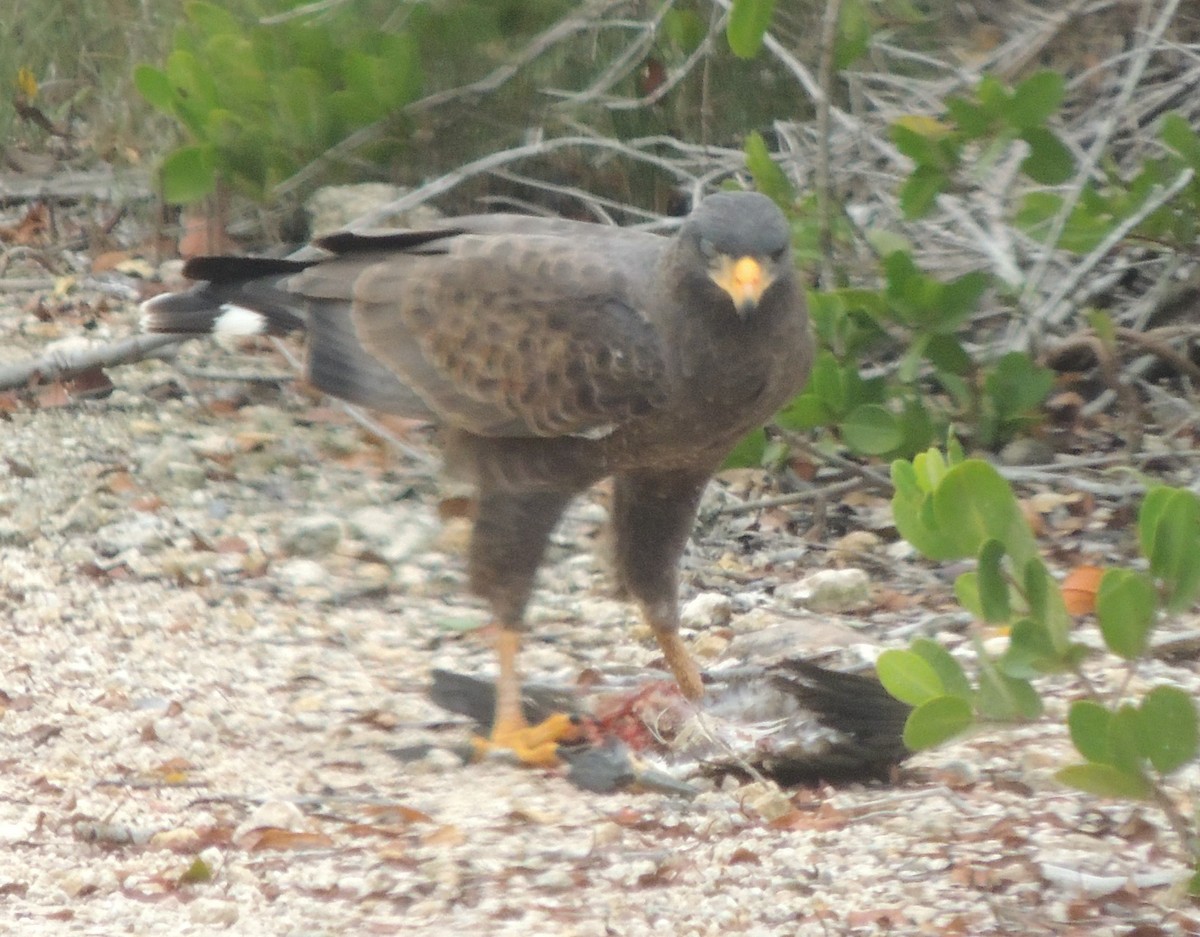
(744, 279)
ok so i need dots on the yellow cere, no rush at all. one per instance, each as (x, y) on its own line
(743, 279)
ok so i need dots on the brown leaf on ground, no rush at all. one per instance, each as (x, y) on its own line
(277, 839)
(33, 228)
(1079, 589)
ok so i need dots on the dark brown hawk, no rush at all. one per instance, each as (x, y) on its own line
(554, 353)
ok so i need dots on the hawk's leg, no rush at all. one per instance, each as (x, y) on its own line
(653, 515)
(509, 539)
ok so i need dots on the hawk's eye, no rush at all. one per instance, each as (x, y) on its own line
(779, 256)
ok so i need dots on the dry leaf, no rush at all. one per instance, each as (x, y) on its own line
(276, 838)
(1079, 589)
(448, 835)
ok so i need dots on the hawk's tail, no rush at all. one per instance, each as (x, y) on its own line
(235, 296)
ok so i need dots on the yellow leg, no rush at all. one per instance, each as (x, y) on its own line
(533, 745)
(687, 675)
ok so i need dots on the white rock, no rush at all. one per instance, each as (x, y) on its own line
(707, 610)
(317, 535)
(301, 573)
(829, 590)
(279, 814)
(213, 911)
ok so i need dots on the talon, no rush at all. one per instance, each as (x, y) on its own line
(532, 745)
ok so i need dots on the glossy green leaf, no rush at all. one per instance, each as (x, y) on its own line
(1106, 781)
(211, 19)
(747, 25)
(1016, 384)
(1169, 531)
(871, 430)
(937, 720)
(908, 677)
(1031, 651)
(1088, 723)
(970, 118)
(954, 679)
(153, 85)
(1049, 162)
(805, 411)
(1179, 135)
(966, 590)
(188, 175)
(853, 35)
(973, 503)
(1035, 99)
(769, 179)
(920, 191)
(1124, 738)
(1169, 734)
(749, 451)
(993, 583)
(1126, 605)
(1006, 698)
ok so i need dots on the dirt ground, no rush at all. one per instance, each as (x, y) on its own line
(221, 602)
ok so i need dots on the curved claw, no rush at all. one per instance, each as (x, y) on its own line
(532, 745)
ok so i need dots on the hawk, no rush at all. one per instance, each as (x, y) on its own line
(554, 354)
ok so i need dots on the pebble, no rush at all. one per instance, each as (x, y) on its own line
(706, 610)
(397, 532)
(301, 574)
(316, 535)
(213, 911)
(829, 590)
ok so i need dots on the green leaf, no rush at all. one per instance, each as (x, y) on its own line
(684, 29)
(1178, 134)
(1035, 99)
(947, 354)
(748, 23)
(188, 175)
(1049, 162)
(973, 503)
(970, 118)
(1016, 384)
(1030, 652)
(993, 584)
(769, 179)
(1004, 697)
(1169, 734)
(805, 411)
(1106, 781)
(748, 453)
(920, 191)
(949, 670)
(1124, 739)
(992, 96)
(960, 297)
(197, 873)
(211, 19)
(908, 677)
(153, 85)
(966, 590)
(871, 430)
(854, 34)
(1126, 605)
(400, 70)
(1088, 722)
(1169, 531)
(935, 721)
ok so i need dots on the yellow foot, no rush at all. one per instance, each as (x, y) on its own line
(532, 745)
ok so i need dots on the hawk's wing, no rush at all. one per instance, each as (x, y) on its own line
(518, 328)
